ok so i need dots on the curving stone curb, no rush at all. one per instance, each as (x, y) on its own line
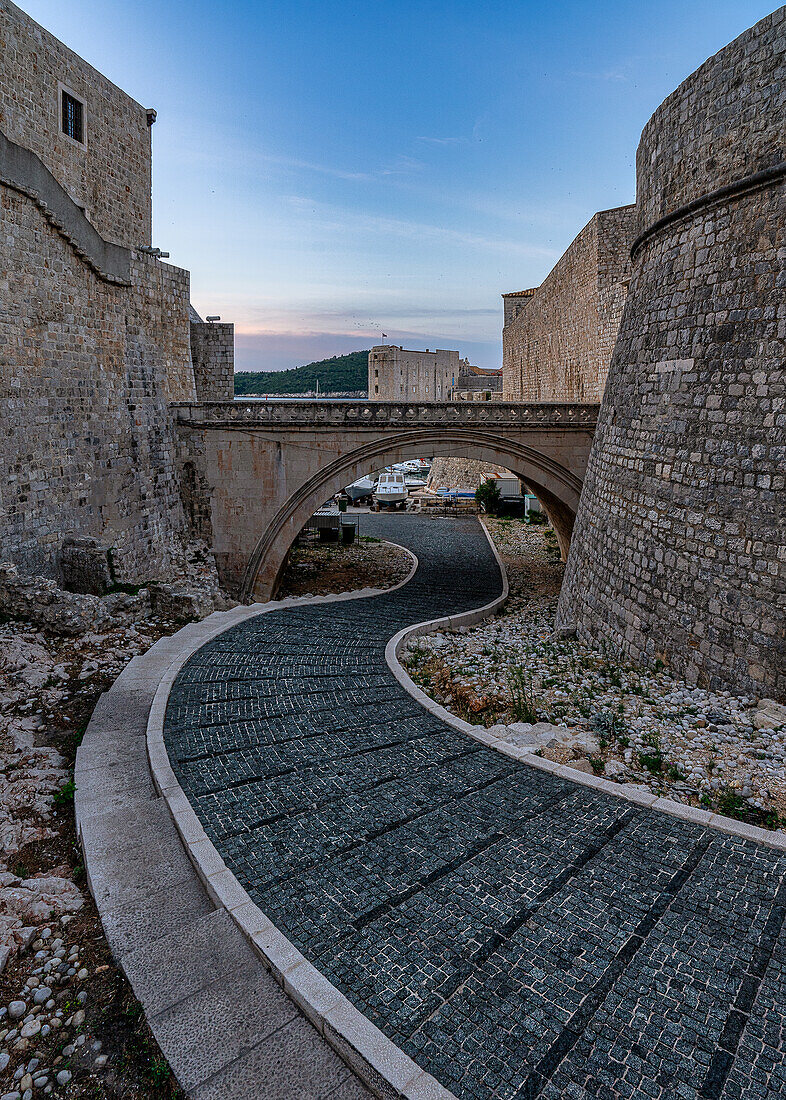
(628, 791)
(187, 934)
(156, 878)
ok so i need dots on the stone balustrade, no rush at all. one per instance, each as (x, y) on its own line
(312, 414)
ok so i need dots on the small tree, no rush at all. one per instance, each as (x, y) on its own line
(487, 496)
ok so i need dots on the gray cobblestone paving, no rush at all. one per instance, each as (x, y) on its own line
(518, 935)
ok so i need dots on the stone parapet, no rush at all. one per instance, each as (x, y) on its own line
(331, 414)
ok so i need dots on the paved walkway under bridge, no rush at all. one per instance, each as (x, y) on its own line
(516, 934)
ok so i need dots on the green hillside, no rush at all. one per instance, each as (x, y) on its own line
(341, 373)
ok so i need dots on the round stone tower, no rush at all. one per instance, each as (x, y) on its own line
(679, 549)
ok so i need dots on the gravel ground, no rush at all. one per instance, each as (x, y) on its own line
(317, 569)
(597, 712)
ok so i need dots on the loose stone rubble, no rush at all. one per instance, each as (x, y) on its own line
(58, 652)
(583, 706)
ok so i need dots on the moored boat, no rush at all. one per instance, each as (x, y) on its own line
(360, 489)
(390, 489)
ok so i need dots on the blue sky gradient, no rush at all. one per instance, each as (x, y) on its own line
(332, 170)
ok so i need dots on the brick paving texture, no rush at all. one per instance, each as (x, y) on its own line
(514, 933)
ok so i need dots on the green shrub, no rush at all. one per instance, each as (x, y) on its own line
(522, 693)
(65, 796)
(487, 496)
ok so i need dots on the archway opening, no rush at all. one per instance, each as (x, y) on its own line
(556, 487)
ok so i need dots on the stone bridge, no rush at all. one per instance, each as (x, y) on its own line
(254, 471)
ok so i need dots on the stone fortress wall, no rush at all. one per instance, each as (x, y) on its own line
(94, 338)
(464, 474)
(109, 176)
(213, 359)
(558, 338)
(679, 549)
(396, 374)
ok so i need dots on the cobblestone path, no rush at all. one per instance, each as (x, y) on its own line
(516, 934)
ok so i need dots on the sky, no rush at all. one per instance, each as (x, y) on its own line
(330, 171)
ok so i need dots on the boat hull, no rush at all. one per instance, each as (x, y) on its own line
(390, 498)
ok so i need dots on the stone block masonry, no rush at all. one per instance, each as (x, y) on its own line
(558, 338)
(213, 360)
(679, 549)
(108, 174)
(87, 371)
(94, 330)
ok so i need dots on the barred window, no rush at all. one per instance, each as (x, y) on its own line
(73, 117)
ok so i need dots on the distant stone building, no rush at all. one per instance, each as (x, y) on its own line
(95, 330)
(476, 380)
(558, 338)
(395, 374)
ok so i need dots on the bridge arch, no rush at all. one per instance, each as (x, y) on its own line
(557, 487)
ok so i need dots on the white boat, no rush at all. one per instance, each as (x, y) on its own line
(414, 483)
(417, 466)
(359, 489)
(390, 489)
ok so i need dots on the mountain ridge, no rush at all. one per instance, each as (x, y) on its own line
(338, 374)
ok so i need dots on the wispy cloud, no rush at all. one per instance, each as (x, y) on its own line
(401, 165)
(340, 220)
(619, 75)
(266, 321)
(444, 140)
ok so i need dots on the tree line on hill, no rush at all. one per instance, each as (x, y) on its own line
(339, 374)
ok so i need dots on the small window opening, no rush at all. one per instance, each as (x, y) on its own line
(73, 118)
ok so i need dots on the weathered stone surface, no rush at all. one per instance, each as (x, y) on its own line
(558, 337)
(679, 551)
(41, 601)
(83, 565)
(173, 602)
